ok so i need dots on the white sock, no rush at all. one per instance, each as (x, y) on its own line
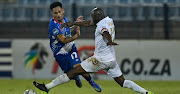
(134, 86)
(57, 81)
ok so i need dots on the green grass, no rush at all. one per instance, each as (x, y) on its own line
(18, 86)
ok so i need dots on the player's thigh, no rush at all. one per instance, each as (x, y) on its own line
(114, 70)
(91, 65)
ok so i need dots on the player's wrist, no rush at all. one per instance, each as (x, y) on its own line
(74, 23)
(76, 36)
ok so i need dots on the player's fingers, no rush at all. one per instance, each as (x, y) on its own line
(116, 44)
(112, 44)
(108, 44)
(79, 18)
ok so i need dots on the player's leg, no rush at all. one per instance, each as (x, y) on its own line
(61, 79)
(77, 79)
(116, 73)
(75, 61)
(89, 66)
(86, 75)
(90, 80)
(65, 66)
(130, 84)
(64, 78)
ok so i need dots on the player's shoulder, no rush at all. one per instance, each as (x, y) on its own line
(108, 19)
(104, 22)
(52, 21)
(52, 25)
(109, 22)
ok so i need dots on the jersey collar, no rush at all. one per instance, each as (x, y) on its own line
(57, 21)
(102, 20)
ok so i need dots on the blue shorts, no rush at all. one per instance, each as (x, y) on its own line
(66, 62)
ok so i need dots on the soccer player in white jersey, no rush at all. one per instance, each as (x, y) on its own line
(104, 54)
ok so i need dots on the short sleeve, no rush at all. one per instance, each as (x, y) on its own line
(103, 28)
(56, 31)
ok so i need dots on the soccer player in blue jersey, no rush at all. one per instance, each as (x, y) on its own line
(63, 46)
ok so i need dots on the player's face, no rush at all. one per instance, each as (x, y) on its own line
(93, 16)
(58, 13)
(97, 14)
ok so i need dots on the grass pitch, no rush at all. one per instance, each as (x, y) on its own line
(18, 86)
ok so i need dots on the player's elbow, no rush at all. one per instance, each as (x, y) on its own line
(64, 41)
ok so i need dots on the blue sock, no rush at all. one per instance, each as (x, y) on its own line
(76, 77)
(90, 79)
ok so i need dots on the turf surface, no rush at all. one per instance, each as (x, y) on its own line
(18, 86)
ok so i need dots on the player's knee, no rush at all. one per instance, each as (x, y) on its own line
(74, 72)
(120, 80)
(121, 84)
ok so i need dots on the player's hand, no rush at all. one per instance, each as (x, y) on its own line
(78, 31)
(68, 24)
(111, 43)
(80, 18)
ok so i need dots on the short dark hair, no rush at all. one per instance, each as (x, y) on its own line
(55, 4)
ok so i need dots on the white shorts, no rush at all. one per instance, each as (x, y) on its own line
(93, 65)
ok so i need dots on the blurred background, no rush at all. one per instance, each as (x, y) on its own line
(147, 31)
(134, 19)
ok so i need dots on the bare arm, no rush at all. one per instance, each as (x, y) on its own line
(108, 37)
(84, 23)
(64, 39)
(81, 23)
(73, 28)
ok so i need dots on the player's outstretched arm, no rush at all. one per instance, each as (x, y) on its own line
(108, 37)
(73, 27)
(81, 23)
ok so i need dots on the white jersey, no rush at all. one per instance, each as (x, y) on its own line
(103, 52)
(104, 56)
